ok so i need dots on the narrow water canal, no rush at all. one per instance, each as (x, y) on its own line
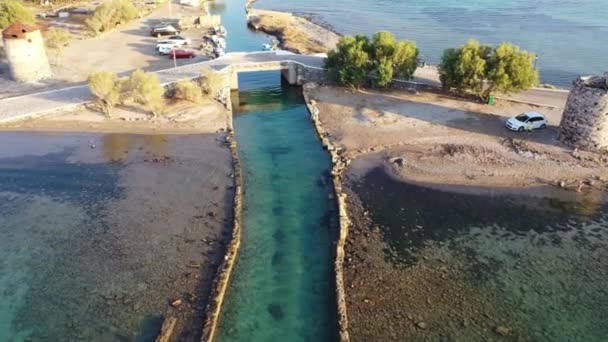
(282, 288)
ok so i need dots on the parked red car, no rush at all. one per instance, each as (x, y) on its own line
(181, 53)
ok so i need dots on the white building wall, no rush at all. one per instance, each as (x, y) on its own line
(27, 58)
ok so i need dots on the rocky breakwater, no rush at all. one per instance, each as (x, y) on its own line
(585, 120)
(295, 34)
(339, 164)
(222, 279)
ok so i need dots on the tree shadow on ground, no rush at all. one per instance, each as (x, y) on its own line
(492, 124)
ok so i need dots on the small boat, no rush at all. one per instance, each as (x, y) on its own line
(219, 52)
(220, 31)
(267, 47)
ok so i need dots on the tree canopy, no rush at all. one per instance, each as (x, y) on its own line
(349, 63)
(481, 69)
(383, 57)
(109, 14)
(12, 11)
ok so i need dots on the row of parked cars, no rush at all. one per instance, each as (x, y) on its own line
(173, 45)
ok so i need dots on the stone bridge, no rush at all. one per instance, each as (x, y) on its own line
(296, 69)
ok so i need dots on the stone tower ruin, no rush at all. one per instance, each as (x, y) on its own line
(25, 53)
(585, 119)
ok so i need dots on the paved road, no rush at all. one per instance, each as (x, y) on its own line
(541, 96)
(43, 102)
(14, 108)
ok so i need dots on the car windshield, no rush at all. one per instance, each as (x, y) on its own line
(522, 117)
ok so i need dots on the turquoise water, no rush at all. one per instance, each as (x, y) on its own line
(282, 288)
(96, 236)
(538, 261)
(569, 36)
(240, 38)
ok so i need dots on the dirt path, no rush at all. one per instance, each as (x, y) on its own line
(436, 139)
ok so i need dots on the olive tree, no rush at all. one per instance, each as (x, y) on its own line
(109, 14)
(12, 11)
(349, 63)
(213, 82)
(511, 69)
(145, 88)
(356, 58)
(465, 68)
(56, 39)
(188, 90)
(405, 59)
(481, 69)
(392, 58)
(106, 88)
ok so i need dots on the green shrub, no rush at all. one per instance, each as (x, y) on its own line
(111, 13)
(511, 69)
(355, 58)
(12, 11)
(213, 82)
(56, 39)
(188, 90)
(145, 88)
(481, 69)
(465, 68)
(349, 63)
(405, 59)
(105, 86)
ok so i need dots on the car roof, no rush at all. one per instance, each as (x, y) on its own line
(534, 114)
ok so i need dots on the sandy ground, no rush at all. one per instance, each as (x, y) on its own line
(182, 117)
(295, 34)
(122, 50)
(432, 138)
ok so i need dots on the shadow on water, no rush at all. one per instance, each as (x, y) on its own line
(540, 259)
(411, 215)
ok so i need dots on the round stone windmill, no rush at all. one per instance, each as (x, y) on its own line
(25, 53)
(585, 120)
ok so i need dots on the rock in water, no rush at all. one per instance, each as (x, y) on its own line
(502, 330)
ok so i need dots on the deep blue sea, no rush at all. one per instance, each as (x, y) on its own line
(569, 36)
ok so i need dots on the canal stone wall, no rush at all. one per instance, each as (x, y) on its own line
(222, 280)
(339, 164)
(308, 74)
(585, 120)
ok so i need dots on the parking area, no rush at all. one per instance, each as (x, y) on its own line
(122, 50)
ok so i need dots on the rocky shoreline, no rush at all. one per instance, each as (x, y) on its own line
(222, 279)
(295, 34)
(412, 138)
(339, 164)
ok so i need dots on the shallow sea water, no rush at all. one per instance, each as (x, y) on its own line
(569, 36)
(95, 233)
(282, 287)
(540, 259)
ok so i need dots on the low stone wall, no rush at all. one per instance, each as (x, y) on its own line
(222, 280)
(585, 120)
(306, 74)
(339, 164)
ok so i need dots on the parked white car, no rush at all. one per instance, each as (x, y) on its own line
(527, 122)
(178, 40)
(165, 49)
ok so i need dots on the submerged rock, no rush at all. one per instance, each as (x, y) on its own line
(502, 330)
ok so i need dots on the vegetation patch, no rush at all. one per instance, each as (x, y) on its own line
(382, 58)
(110, 14)
(483, 70)
(12, 11)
